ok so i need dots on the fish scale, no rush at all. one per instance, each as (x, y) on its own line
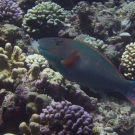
(83, 64)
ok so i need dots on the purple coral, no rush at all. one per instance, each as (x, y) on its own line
(10, 11)
(72, 118)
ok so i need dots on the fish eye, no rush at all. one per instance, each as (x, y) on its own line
(58, 41)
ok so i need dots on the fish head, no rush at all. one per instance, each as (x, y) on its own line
(60, 52)
(52, 49)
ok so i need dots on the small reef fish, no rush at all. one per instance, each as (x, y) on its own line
(83, 64)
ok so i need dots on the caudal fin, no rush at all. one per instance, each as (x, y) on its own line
(130, 93)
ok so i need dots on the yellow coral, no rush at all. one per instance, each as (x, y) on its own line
(11, 63)
(32, 129)
(128, 61)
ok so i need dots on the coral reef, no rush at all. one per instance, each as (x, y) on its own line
(10, 11)
(116, 117)
(38, 60)
(36, 102)
(97, 43)
(8, 33)
(33, 129)
(61, 118)
(44, 16)
(128, 61)
(51, 83)
(37, 97)
(12, 63)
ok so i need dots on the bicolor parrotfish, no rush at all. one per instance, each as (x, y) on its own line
(83, 64)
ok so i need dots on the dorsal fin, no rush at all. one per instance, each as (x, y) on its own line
(70, 61)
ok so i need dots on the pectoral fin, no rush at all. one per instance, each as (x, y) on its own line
(71, 60)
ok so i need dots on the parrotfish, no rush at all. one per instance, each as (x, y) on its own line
(83, 64)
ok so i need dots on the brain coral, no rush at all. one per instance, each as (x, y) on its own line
(63, 118)
(10, 11)
(128, 61)
(44, 15)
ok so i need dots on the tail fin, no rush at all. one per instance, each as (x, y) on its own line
(130, 93)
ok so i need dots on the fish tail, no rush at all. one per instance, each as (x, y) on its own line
(130, 93)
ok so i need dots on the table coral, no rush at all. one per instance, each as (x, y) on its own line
(12, 63)
(128, 61)
(44, 15)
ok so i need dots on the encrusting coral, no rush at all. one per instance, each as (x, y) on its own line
(11, 63)
(8, 33)
(128, 61)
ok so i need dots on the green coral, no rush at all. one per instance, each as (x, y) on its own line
(45, 14)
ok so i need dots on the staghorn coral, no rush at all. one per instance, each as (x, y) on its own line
(9, 11)
(128, 61)
(11, 63)
(44, 16)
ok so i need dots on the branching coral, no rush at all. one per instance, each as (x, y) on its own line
(11, 63)
(36, 102)
(44, 15)
(10, 11)
(61, 118)
(72, 118)
(128, 61)
(38, 60)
